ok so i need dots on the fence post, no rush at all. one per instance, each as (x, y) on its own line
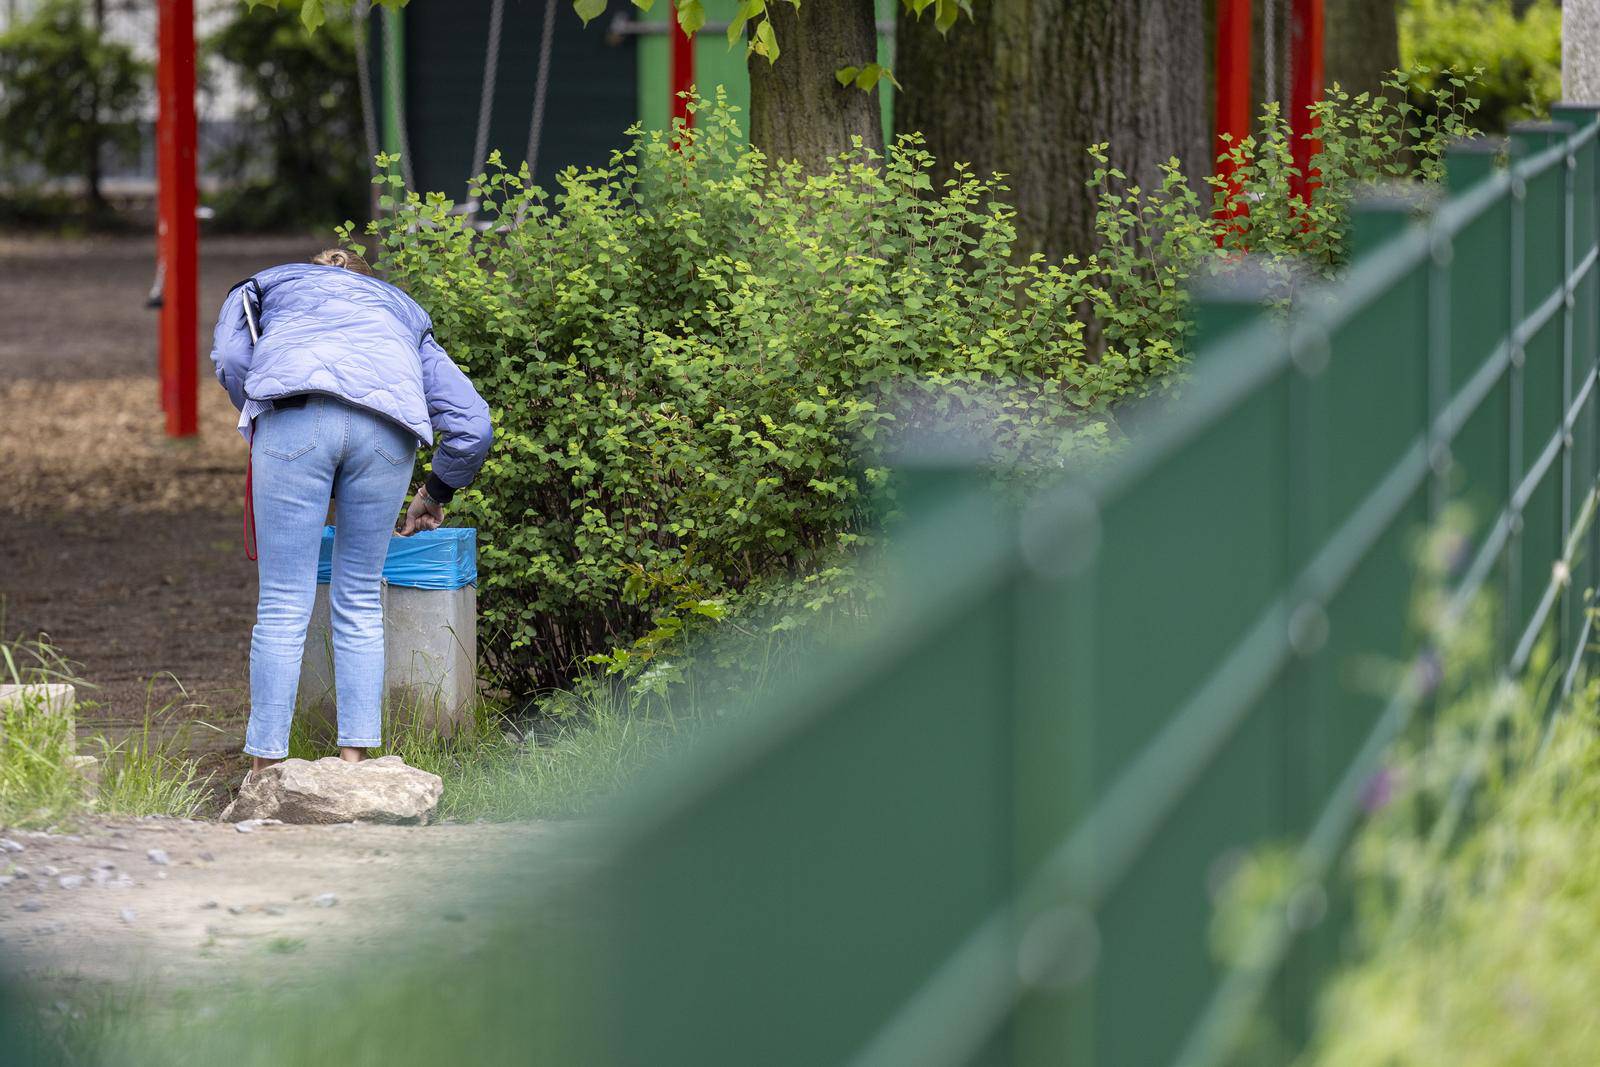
(1226, 301)
(1531, 252)
(1381, 215)
(1583, 301)
(1467, 161)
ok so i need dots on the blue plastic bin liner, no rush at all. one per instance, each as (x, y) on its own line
(446, 558)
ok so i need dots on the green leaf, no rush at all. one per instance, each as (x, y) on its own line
(766, 42)
(691, 16)
(644, 5)
(748, 9)
(311, 15)
(869, 76)
(711, 609)
(846, 75)
(588, 9)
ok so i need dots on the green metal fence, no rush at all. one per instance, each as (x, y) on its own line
(991, 833)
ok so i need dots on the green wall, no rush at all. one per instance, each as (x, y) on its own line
(715, 63)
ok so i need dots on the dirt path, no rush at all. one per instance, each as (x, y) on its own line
(121, 545)
(78, 911)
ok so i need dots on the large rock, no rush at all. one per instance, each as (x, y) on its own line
(331, 790)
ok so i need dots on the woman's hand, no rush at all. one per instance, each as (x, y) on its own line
(425, 513)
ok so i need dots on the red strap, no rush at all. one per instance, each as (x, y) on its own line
(249, 508)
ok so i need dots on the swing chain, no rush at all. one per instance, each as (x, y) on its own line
(536, 126)
(491, 63)
(369, 121)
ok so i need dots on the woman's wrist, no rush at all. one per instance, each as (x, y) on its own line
(436, 490)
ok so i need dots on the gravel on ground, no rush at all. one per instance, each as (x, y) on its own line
(159, 902)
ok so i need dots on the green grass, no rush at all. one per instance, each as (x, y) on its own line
(144, 773)
(1480, 947)
(285, 946)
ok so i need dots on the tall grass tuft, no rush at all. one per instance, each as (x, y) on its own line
(148, 772)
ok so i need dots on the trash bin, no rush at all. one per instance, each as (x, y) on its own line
(430, 630)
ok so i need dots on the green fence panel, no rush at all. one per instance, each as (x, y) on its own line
(1202, 533)
(1478, 273)
(904, 768)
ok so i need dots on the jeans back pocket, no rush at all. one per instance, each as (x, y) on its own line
(395, 444)
(290, 433)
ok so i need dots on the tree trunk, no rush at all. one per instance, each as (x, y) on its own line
(798, 109)
(1363, 44)
(1580, 53)
(1030, 84)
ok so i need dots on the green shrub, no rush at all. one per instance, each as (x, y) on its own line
(1517, 58)
(697, 360)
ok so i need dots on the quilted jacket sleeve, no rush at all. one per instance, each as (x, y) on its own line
(231, 347)
(461, 429)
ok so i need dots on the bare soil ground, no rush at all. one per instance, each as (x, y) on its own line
(121, 545)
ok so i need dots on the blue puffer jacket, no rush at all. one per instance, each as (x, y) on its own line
(332, 331)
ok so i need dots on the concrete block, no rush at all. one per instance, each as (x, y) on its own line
(88, 769)
(430, 646)
(53, 698)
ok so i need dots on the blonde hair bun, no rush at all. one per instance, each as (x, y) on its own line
(342, 257)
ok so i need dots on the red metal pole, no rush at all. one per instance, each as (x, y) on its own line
(177, 238)
(1305, 43)
(1233, 74)
(1233, 89)
(682, 67)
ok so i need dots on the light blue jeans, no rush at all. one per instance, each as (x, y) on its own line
(302, 457)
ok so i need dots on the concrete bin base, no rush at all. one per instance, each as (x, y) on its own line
(430, 637)
(430, 657)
